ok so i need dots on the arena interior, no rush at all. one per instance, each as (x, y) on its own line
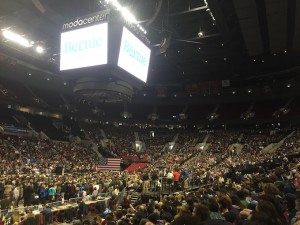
(150, 112)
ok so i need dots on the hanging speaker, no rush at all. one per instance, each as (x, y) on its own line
(165, 44)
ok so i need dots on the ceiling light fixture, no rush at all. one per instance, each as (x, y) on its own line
(115, 3)
(17, 38)
(127, 15)
(209, 11)
(39, 49)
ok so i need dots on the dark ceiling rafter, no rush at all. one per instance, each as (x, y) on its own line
(190, 10)
(263, 25)
(225, 24)
(156, 13)
(290, 23)
(180, 13)
(37, 13)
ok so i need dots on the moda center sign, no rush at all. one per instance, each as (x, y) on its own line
(87, 20)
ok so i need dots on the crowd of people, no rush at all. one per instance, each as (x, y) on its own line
(203, 186)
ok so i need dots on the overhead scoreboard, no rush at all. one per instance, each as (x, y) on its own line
(134, 55)
(84, 47)
(107, 46)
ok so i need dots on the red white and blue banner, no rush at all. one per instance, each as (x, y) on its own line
(109, 164)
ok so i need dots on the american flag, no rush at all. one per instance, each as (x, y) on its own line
(109, 163)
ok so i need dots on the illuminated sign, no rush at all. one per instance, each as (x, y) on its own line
(134, 56)
(84, 47)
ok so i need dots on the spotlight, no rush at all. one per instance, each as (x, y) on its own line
(127, 15)
(288, 85)
(39, 49)
(115, 3)
(249, 91)
(17, 38)
(48, 79)
(200, 34)
(233, 92)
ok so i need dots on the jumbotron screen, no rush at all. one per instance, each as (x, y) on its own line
(134, 56)
(84, 47)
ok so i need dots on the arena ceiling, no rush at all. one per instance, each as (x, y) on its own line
(213, 40)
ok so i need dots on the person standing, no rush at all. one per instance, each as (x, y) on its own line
(43, 193)
(176, 177)
(1, 190)
(8, 188)
(170, 179)
(52, 193)
(16, 195)
(28, 194)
